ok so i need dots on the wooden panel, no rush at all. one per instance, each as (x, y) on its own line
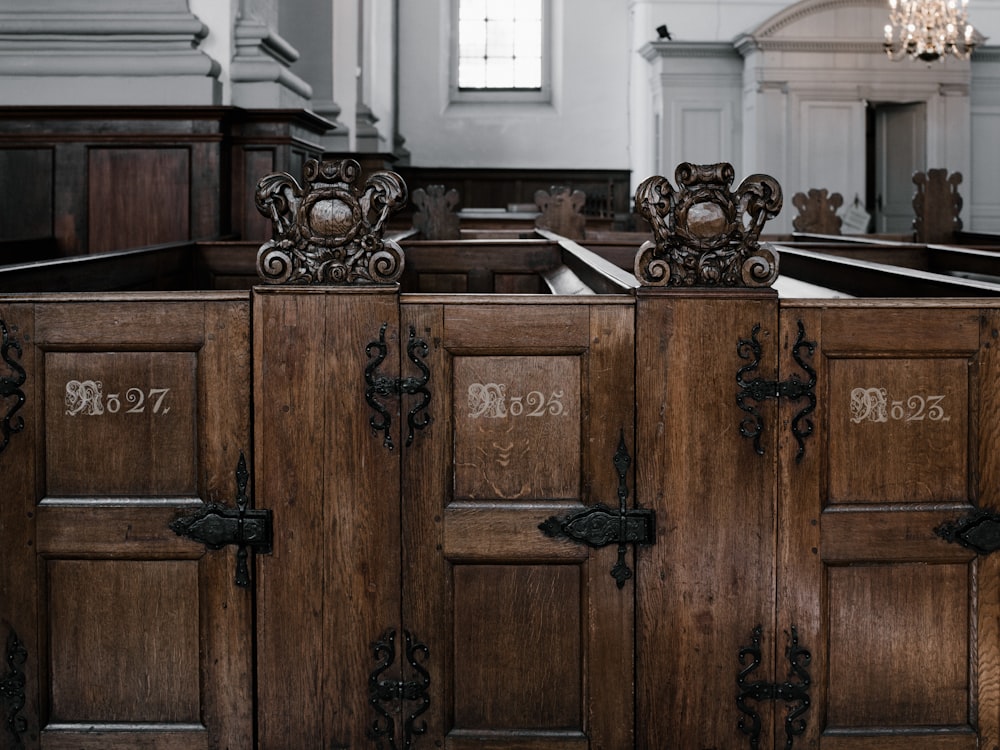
(144, 657)
(138, 624)
(529, 638)
(26, 186)
(535, 613)
(899, 646)
(119, 737)
(709, 580)
(899, 622)
(147, 400)
(887, 417)
(138, 196)
(549, 330)
(506, 409)
(331, 587)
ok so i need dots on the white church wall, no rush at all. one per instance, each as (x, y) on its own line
(584, 126)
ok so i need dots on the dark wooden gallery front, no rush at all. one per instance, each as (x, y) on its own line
(674, 513)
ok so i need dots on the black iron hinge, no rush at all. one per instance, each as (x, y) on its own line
(380, 386)
(217, 526)
(794, 691)
(599, 525)
(10, 387)
(12, 689)
(758, 390)
(386, 696)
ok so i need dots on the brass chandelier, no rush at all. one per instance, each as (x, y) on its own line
(928, 30)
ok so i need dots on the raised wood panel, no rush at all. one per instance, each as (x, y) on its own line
(148, 400)
(533, 639)
(26, 184)
(138, 196)
(886, 417)
(505, 409)
(899, 643)
(144, 656)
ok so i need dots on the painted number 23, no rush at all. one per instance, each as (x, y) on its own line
(875, 405)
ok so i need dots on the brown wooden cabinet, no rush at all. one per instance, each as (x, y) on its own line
(410, 591)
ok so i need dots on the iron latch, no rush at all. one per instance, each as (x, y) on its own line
(217, 526)
(759, 390)
(599, 525)
(978, 531)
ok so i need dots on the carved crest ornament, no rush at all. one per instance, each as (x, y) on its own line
(330, 230)
(706, 235)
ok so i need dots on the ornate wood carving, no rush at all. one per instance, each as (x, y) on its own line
(562, 211)
(936, 205)
(435, 216)
(330, 231)
(705, 234)
(817, 211)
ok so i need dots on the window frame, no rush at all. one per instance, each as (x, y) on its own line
(542, 95)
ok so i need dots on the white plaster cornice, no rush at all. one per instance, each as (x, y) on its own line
(653, 50)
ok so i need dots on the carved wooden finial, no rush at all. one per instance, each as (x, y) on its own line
(817, 212)
(705, 234)
(562, 211)
(936, 206)
(330, 231)
(436, 218)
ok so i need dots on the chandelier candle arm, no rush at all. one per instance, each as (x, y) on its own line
(929, 30)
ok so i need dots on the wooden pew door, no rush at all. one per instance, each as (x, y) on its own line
(529, 638)
(119, 633)
(901, 624)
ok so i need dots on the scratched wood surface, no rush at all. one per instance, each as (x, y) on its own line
(125, 624)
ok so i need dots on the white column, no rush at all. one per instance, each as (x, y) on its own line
(129, 52)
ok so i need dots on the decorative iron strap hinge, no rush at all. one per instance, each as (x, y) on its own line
(383, 387)
(599, 525)
(759, 390)
(793, 691)
(384, 695)
(12, 685)
(11, 387)
(216, 526)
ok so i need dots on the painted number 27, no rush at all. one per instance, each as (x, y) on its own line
(87, 397)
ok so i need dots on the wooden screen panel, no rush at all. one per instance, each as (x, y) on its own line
(138, 196)
(530, 640)
(139, 628)
(904, 650)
